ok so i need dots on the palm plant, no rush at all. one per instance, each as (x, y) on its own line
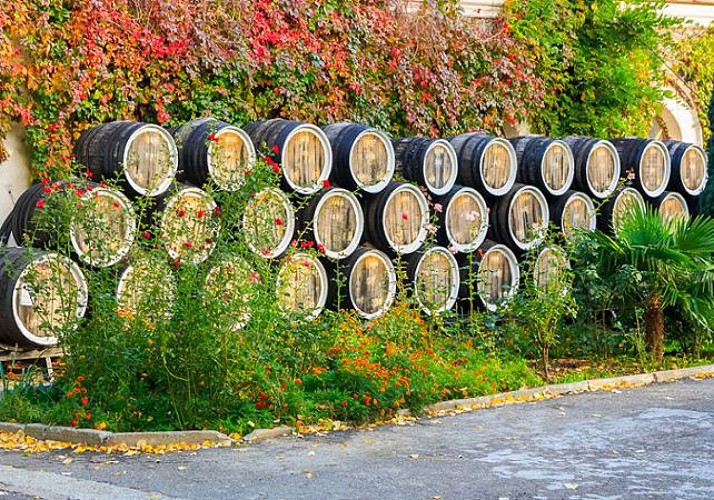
(673, 261)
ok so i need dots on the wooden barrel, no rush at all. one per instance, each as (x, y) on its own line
(302, 286)
(396, 218)
(548, 268)
(434, 278)
(671, 205)
(689, 168)
(335, 221)
(520, 219)
(429, 162)
(101, 231)
(104, 229)
(228, 284)
(363, 157)
(463, 220)
(41, 294)
(489, 276)
(545, 163)
(368, 283)
(187, 227)
(486, 163)
(269, 223)
(146, 289)
(303, 152)
(145, 153)
(597, 166)
(573, 210)
(649, 160)
(212, 149)
(612, 211)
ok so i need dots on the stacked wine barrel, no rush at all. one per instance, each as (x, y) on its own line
(455, 215)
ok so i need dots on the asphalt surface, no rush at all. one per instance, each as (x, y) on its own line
(655, 442)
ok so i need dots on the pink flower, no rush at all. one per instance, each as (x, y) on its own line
(438, 207)
(254, 277)
(453, 250)
(146, 234)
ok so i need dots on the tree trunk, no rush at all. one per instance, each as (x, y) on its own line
(654, 328)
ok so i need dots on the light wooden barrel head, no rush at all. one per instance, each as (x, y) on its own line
(437, 280)
(269, 223)
(306, 159)
(498, 276)
(528, 217)
(655, 169)
(104, 228)
(693, 170)
(50, 295)
(466, 220)
(187, 227)
(549, 267)
(339, 223)
(558, 167)
(673, 206)
(440, 167)
(498, 165)
(150, 160)
(603, 169)
(229, 157)
(579, 212)
(372, 160)
(302, 286)
(372, 285)
(404, 218)
(627, 201)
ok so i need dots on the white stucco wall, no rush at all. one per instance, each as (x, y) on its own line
(14, 172)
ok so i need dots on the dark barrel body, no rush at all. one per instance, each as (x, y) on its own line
(431, 163)
(145, 154)
(363, 157)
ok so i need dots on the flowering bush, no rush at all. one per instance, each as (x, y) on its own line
(66, 64)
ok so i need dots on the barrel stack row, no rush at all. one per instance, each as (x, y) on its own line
(465, 210)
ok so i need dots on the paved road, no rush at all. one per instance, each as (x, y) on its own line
(650, 443)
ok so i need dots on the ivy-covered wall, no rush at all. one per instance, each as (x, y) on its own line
(66, 64)
(564, 66)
